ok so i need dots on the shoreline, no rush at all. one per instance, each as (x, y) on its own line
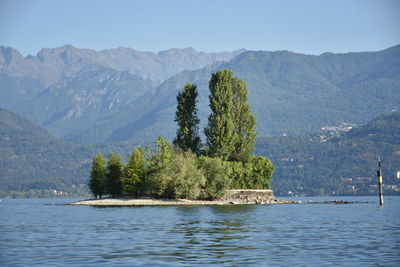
(116, 202)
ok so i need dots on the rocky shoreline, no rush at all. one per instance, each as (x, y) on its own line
(171, 202)
(242, 197)
(232, 197)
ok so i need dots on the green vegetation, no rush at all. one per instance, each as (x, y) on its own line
(134, 172)
(174, 173)
(244, 123)
(251, 174)
(231, 125)
(187, 135)
(98, 176)
(180, 171)
(336, 163)
(220, 129)
(35, 164)
(114, 175)
(218, 178)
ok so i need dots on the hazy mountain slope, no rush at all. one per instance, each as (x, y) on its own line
(91, 97)
(65, 88)
(288, 92)
(87, 97)
(51, 64)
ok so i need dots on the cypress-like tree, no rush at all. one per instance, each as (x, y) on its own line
(97, 176)
(134, 172)
(220, 128)
(187, 134)
(245, 123)
(231, 125)
(114, 175)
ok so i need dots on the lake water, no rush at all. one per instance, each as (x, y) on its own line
(40, 232)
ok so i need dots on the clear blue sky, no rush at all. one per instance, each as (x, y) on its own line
(310, 26)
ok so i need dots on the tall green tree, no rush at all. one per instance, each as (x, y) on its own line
(158, 178)
(231, 125)
(97, 176)
(114, 175)
(245, 123)
(220, 132)
(187, 134)
(134, 173)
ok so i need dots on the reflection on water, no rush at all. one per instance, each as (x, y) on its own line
(33, 233)
(216, 232)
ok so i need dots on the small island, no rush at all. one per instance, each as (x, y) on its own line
(232, 197)
(186, 172)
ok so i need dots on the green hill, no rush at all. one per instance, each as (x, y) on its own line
(341, 163)
(32, 159)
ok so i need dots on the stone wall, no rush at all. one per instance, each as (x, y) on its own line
(253, 196)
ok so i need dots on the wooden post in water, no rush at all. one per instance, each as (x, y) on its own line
(379, 173)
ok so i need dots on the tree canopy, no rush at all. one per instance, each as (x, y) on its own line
(97, 176)
(114, 175)
(187, 134)
(134, 173)
(231, 125)
(180, 171)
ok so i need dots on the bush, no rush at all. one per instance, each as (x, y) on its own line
(189, 179)
(217, 178)
(261, 172)
(174, 174)
(256, 173)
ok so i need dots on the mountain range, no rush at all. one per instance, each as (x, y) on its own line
(86, 96)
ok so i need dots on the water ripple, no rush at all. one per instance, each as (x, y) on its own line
(33, 233)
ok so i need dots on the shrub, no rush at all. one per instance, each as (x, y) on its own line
(261, 172)
(188, 178)
(217, 177)
(256, 173)
(174, 174)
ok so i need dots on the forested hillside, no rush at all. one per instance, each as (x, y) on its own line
(341, 163)
(32, 159)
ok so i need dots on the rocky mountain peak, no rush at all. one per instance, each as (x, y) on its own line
(9, 55)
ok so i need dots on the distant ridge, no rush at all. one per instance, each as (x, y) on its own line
(122, 94)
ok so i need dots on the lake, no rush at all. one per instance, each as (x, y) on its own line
(43, 232)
